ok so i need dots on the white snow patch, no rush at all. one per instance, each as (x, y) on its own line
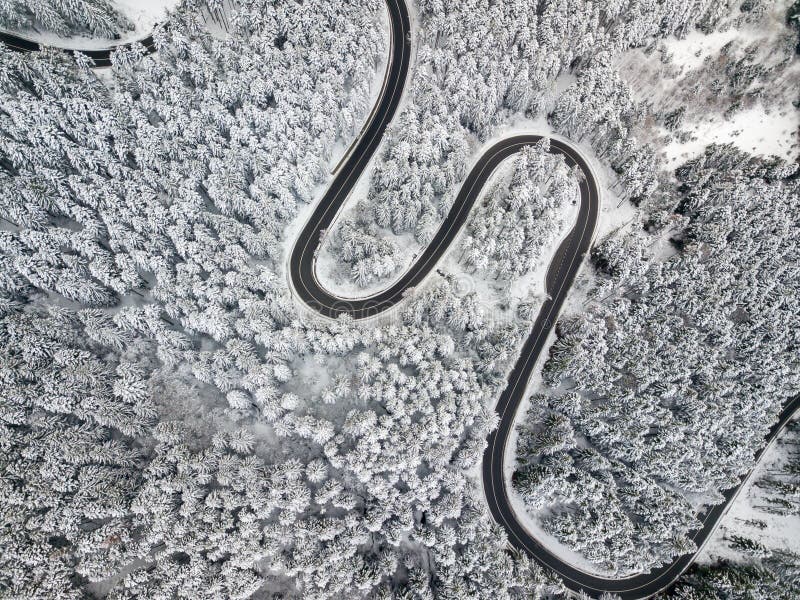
(310, 376)
(680, 73)
(753, 130)
(691, 51)
(145, 14)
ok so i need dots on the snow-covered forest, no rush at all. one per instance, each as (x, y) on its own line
(520, 215)
(479, 63)
(171, 427)
(64, 17)
(173, 424)
(750, 563)
(658, 395)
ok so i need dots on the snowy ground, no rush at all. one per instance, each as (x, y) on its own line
(781, 532)
(769, 126)
(144, 14)
(753, 130)
(690, 51)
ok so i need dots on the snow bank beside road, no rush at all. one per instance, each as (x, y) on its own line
(144, 14)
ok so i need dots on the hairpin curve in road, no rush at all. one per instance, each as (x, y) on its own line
(561, 274)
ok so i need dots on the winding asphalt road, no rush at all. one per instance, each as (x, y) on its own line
(560, 276)
(100, 56)
(561, 273)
